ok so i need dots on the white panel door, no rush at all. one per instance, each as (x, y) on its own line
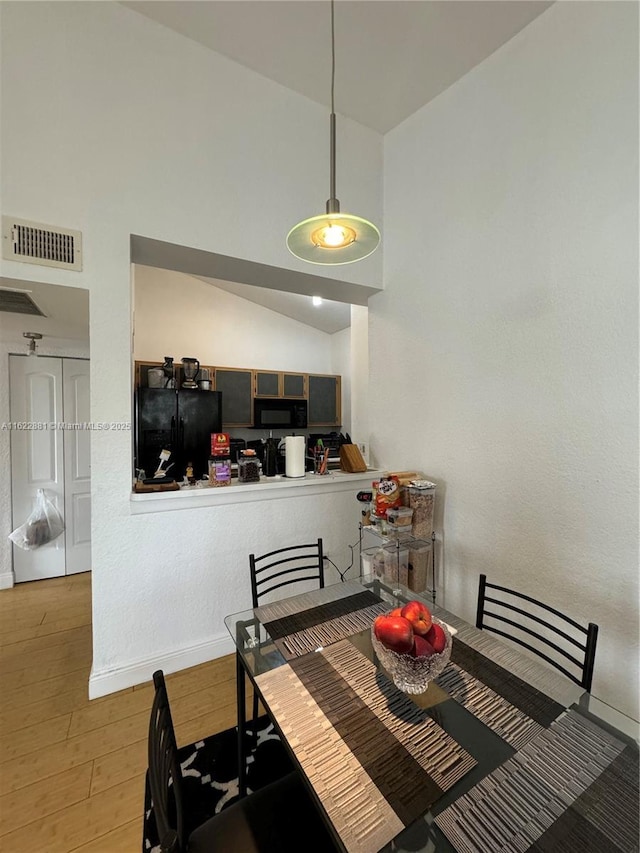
(77, 465)
(37, 460)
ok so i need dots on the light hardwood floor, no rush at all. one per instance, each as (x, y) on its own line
(72, 771)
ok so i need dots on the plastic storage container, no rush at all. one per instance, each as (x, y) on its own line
(400, 517)
(367, 564)
(420, 565)
(396, 563)
(421, 499)
(379, 523)
(220, 471)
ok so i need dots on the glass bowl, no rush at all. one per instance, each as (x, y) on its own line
(413, 674)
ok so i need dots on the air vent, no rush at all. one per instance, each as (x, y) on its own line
(46, 245)
(18, 302)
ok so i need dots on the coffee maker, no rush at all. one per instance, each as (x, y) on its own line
(168, 370)
(190, 370)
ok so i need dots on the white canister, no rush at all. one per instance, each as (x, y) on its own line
(294, 452)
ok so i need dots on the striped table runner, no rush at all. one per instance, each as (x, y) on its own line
(304, 623)
(510, 707)
(376, 760)
(573, 788)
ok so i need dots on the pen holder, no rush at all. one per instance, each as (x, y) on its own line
(321, 460)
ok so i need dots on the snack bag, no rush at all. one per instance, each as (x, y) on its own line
(387, 495)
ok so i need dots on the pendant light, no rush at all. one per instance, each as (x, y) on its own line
(333, 237)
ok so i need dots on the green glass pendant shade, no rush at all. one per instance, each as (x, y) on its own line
(355, 239)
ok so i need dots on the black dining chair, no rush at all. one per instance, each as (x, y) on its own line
(292, 564)
(285, 566)
(510, 616)
(278, 817)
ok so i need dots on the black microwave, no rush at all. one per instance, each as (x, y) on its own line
(279, 414)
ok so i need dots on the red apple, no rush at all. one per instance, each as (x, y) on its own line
(437, 637)
(419, 616)
(396, 612)
(422, 648)
(394, 633)
(376, 624)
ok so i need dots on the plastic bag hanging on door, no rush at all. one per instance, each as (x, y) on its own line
(43, 525)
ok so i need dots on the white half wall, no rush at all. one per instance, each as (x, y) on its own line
(504, 349)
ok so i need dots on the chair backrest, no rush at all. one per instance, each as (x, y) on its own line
(165, 778)
(511, 616)
(285, 566)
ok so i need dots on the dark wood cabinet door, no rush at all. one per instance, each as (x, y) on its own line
(324, 401)
(267, 383)
(237, 396)
(293, 385)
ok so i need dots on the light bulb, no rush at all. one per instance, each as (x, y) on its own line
(333, 236)
(317, 300)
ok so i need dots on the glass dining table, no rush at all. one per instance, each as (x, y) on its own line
(499, 753)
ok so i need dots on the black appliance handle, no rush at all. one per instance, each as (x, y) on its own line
(181, 431)
(174, 441)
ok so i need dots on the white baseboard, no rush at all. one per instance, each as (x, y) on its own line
(6, 580)
(109, 681)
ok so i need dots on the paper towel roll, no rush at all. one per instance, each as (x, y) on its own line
(294, 451)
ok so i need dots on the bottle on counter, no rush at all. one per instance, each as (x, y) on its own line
(270, 456)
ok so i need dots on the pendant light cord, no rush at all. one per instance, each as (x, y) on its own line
(333, 58)
(333, 205)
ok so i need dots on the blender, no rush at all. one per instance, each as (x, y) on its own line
(190, 369)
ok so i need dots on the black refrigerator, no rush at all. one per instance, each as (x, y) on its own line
(179, 421)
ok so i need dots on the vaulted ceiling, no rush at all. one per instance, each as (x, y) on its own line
(392, 56)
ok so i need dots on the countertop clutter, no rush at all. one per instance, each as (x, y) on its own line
(235, 462)
(201, 494)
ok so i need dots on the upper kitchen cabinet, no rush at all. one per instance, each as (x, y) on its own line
(325, 400)
(237, 396)
(294, 385)
(267, 383)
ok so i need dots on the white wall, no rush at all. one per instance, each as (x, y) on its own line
(504, 350)
(179, 315)
(114, 125)
(341, 364)
(360, 378)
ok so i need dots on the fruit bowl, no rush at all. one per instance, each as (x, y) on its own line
(409, 673)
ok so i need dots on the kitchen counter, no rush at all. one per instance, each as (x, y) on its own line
(190, 497)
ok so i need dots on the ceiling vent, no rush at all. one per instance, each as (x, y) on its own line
(18, 302)
(46, 245)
